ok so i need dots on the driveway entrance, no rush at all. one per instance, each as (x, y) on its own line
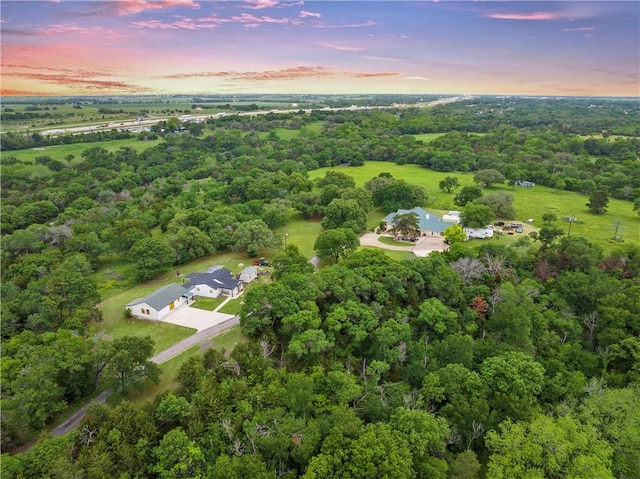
(195, 318)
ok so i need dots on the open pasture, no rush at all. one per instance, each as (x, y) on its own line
(528, 202)
(62, 152)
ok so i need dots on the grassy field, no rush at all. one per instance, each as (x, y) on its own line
(61, 152)
(528, 202)
(302, 233)
(428, 137)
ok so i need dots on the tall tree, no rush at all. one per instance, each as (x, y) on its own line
(467, 194)
(488, 177)
(128, 361)
(449, 184)
(335, 244)
(406, 225)
(253, 236)
(477, 216)
(342, 213)
(151, 257)
(598, 202)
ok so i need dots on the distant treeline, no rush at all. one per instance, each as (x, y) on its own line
(17, 141)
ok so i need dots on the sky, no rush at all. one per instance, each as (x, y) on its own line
(150, 47)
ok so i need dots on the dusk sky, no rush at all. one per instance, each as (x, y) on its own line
(270, 46)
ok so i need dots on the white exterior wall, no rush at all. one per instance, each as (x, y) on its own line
(247, 278)
(205, 290)
(140, 310)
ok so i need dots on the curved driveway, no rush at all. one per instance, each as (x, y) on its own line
(421, 248)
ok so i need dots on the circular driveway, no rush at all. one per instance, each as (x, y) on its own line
(424, 246)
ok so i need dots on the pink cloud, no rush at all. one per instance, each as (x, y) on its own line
(293, 73)
(253, 20)
(375, 75)
(305, 14)
(13, 92)
(341, 48)
(579, 29)
(77, 79)
(62, 29)
(526, 16)
(246, 19)
(131, 7)
(259, 4)
(368, 23)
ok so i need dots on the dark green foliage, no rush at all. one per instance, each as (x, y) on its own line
(366, 368)
(477, 216)
(342, 213)
(449, 184)
(467, 194)
(598, 202)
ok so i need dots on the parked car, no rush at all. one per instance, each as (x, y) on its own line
(261, 262)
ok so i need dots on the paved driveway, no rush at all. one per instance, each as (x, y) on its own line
(427, 244)
(195, 318)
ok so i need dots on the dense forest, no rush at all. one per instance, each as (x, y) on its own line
(483, 361)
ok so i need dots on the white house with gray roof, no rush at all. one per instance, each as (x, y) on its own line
(159, 303)
(213, 284)
(429, 224)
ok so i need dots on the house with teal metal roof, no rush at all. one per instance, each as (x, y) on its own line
(429, 224)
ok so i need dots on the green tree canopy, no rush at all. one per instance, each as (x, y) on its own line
(334, 244)
(476, 216)
(467, 194)
(548, 447)
(253, 236)
(488, 177)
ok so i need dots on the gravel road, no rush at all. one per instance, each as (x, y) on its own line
(163, 356)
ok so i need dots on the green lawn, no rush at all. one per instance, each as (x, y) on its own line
(395, 255)
(208, 304)
(390, 241)
(233, 307)
(528, 202)
(302, 233)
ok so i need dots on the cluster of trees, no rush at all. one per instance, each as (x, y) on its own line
(19, 141)
(366, 340)
(43, 374)
(518, 360)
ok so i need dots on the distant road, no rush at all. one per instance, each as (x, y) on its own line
(138, 125)
(162, 357)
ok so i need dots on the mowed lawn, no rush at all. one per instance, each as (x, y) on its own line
(529, 202)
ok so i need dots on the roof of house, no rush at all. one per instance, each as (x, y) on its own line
(162, 297)
(220, 278)
(249, 270)
(426, 221)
